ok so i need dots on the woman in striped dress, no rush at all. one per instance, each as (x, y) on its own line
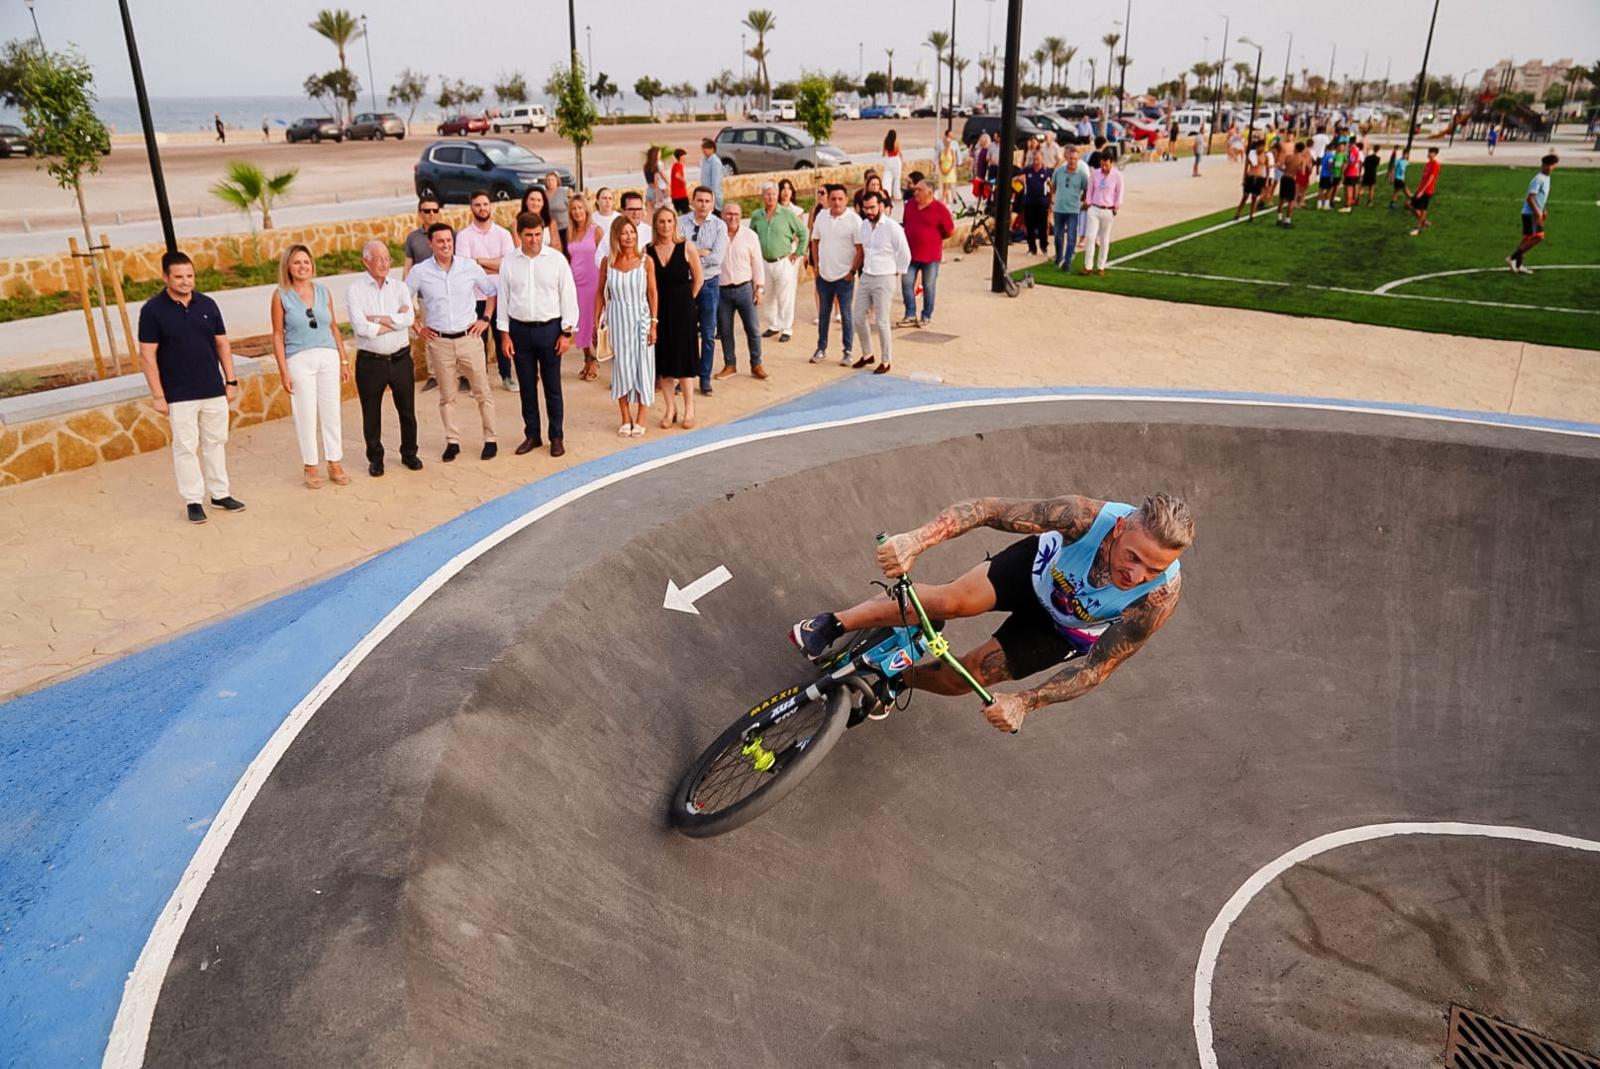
(626, 296)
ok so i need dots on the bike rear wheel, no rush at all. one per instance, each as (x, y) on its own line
(756, 762)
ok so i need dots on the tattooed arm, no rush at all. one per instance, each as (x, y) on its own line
(1121, 641)
(1072, 515)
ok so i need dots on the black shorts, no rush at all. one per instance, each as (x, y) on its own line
(1028, 637)
(1530, 226)
(1254, 184)
(1369, 180)
(1324, 182)
(1286, 188)
(1420, 201)
(1400, 183)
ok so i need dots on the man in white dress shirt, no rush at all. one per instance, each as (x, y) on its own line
(743, 282)
(381, 315)
(833, 245)
(536, 315)
(447, 288)
(632, 210)
(882, 256)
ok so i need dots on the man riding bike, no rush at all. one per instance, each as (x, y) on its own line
(1094, 579)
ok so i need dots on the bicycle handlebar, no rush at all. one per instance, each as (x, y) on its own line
(937, 644)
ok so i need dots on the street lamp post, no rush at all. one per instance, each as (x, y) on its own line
(1331, 57)
(1422, 78)
(588, 45)
(1255, 92)
(950, 118)
(372, 85)
(162, 206)
(998, 277)
(1222, 67)
(37, 36)
(1122, 76)
(1286, 51)
(1362, 84)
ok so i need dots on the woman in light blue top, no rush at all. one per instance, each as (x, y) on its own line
(311, 361)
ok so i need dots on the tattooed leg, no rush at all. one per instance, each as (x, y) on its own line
(970, 595)
(987, 664)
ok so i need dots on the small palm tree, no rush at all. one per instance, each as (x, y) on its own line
(962, 62)
(761, 22)
(1067, 55)
(1039, 57)
(341, 28)
(1052, 49)
(938, 40)
(890, 53)
(247, 187)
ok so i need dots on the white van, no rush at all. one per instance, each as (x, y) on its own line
(524, 117)
(780, 111)
(1190, 120)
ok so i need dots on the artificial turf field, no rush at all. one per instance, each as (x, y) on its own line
(1364, 267)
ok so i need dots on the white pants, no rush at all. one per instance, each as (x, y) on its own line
(777, 303)
(199, 432)
(314, 374)
(1097, 231)
(875, 299)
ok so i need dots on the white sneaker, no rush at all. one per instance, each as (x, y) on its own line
(1513, 265)
(846, 360)
(1525, 270)
(818, 357)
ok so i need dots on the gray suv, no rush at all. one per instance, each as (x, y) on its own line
(451, 170)
(757, 147)
(375, 126)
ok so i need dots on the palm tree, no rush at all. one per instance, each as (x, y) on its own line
(1241, 74)
(341, 28)
(1110, 41)
(1039, 56)
(961, 77)
(1065, 57)
(248, 187)
(1052, 51)
(939, 41)
(761, 22)
(890, 53)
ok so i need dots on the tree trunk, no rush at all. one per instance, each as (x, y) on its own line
(578, 151)
(266, 217)
(99, 281)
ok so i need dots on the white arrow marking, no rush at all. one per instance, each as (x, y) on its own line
(683, 600)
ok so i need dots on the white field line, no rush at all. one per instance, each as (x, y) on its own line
(1175, 241)
(1205, 970)
(1387, 286)
(1365, 293)
(130, 1032)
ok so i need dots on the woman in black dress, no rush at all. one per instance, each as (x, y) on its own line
(677, 281)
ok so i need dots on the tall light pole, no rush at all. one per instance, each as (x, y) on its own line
(1222, 67)
(950, 118)
(37, 36)
(1455, 114)
(1362, 84)
(162, 206)
(861, 60)
(1422, 78)
(588, 45)
(998, 278)
(1255, 91)
(1331, 57)
(1122, 77)
(372, 85)
(743, 70)
(1286, 51)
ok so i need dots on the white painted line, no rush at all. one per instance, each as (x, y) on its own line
(1387, 286)
(1175, 241)
(130, 1032)
(1205, 970)
(683, 600)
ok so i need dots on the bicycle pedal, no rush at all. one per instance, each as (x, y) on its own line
(882, 713)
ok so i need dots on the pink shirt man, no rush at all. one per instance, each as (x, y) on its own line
(1105, 188)
(492, 244)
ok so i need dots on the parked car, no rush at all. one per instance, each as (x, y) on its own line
(757, 147)
(14, 141)
(924, 111)
(1081, 111)
(1066, 132)
(846, 109)
(990, 124)
(375, 126)
(776, 111)
(876, 111)
(464, 125)
(524, 117)
(1190, 120)
(314, 130)
(899, 111)
(451, 170)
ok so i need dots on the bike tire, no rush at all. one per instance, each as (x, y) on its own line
(969, 244)
(688, 813)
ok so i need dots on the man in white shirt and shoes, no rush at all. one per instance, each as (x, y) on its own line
(537, 314)
(881, 257)
(833, 250)
(381, 315)
(446, 288)
(633, 211)
(744, 281)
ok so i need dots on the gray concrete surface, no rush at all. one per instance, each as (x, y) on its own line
(464, 860)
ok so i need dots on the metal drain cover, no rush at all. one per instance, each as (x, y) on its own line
(1480, 1042)
(926, 337)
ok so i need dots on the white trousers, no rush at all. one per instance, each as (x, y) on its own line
(315, 376)
(1097, 231)
(199, 433)
(777, 303)
(876, 296)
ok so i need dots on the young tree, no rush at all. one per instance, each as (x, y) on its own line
(13, 59)
(247, 187)
(684, 93)
(761, 22)
(911, 87)
(511, 88)
(1039, 57)
(722, 87)
(574, 110)
(813, 106)
(342, 29)
(56, 94)
(874, 85)
(604, 90)
(842, 83)
(889, 77)
(649, 90)
(1052, 52)
(457, 93)
(409, 90)
(333, 89)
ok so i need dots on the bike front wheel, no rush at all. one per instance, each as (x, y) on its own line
(757, 761)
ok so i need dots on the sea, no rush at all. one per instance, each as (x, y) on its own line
(190, 114)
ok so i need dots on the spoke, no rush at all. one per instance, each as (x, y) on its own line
(732, 777)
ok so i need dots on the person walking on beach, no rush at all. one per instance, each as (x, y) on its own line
(537, 316)
(311, 362)
(266, 130)
(222, 131)
(380, 310)
(627, 301)
(446, 287)
(188, 367)
(1104, 198)
(783, 238)
(1534, 215)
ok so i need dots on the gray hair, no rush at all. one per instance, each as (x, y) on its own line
(735, 207)
(1168, 520)
(373, 246)
(923, 183)
(765, 186)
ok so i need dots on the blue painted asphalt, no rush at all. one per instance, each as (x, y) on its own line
(108, 781)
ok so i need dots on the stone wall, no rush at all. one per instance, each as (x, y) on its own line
(50, 274)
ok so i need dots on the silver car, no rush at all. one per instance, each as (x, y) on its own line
(375, 126)
(758, 147)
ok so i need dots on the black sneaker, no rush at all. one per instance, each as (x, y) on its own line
(228, 504)
(411, 463)
(451, 451)
(197, 514)
(814, 635)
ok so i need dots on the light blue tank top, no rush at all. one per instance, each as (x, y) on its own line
(298, 333)
(1080, 611)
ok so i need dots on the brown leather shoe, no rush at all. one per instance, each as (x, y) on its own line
(726, 372)
(528, 445)
(759, 371)
(557, 447)
(865, 361)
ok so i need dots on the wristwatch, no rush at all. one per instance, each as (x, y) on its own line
(566, 333)
(483, 319)
(230, 382)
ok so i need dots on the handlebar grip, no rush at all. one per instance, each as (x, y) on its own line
(883, 536)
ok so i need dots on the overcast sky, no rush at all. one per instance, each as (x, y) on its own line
(235, 48)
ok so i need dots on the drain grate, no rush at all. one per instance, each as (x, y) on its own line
(926, 337)
(1480, 1042)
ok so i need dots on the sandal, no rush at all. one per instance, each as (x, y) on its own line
(668, 421)
(338, 476)
(638, 430)
(313, 480)
(625, 430)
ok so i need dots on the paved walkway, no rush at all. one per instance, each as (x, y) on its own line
(98, 562)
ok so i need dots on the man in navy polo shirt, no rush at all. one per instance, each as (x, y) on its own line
(188, 364)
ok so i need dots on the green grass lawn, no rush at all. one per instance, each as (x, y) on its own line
(1475, 226)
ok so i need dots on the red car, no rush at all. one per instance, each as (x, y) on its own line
(465, 125)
